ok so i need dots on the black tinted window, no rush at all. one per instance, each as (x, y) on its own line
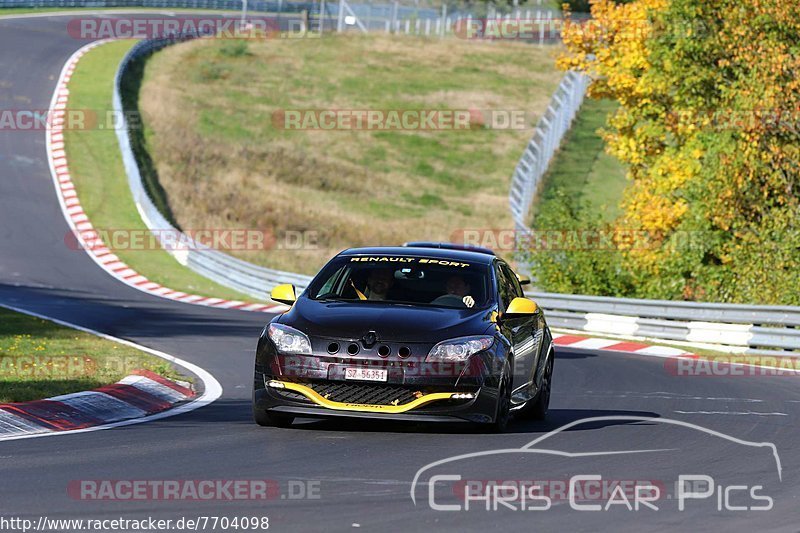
(513, 280)
(410, 280)
(505, 288)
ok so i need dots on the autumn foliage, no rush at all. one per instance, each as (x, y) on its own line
(709, 127)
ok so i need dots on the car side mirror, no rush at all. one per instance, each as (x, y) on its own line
(521, 307)
(523, 280)
(284, 294)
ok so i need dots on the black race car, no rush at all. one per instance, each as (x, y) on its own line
(420, 332)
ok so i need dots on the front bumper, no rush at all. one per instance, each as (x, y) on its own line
(301, 399)
(316, 384)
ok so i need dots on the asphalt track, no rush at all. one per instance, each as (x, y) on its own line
(364, 469)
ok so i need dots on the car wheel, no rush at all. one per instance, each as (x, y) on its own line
(503, 413)
(263, 418)
(538, 410)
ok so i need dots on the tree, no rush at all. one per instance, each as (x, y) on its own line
(708, 126)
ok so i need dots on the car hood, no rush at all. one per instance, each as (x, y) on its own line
(391, 322)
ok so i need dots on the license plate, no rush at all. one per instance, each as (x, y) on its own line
(366, 374)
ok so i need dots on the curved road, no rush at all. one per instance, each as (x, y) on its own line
(363, 471)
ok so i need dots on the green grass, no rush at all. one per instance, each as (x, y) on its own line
(96, 168)
(208, 108)
(581, 170)
(40, 359)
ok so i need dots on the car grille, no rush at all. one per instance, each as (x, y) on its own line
(359, 393)
(294, 395)
(364, 393)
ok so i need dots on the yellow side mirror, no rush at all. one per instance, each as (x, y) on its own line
(521, 307)
(523, 280)
(284, 294)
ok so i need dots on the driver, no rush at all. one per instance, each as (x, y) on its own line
(378, 284)
(457, 293)
(456, 285)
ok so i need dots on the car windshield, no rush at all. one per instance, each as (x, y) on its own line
(413, 280)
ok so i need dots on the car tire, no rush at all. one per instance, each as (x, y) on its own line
(263, 418)
(503, 410)
(537, 410)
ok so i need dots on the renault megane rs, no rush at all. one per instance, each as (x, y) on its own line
(421, 332)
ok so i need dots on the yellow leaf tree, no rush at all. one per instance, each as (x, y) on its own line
(708, 124)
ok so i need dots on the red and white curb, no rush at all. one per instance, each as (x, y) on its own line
(138, 395)
(678, 362)
(138, 398)
(79, 221)
(611, 345)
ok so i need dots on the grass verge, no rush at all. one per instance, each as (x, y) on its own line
(582, 173)
(212, 115)
(99, 176)
(40, 359)
(577, 211)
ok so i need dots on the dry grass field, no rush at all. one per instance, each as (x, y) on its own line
(208, 109)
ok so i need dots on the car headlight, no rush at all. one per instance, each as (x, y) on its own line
(288, 339)
(459, 349)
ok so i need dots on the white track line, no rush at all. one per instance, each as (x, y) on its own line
(79, 222)
(212, 389)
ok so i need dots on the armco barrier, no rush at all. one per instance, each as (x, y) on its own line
(756, 329)
(671, 310)
(746, 328)
(245, 277)
(535, 160)
(390, 17)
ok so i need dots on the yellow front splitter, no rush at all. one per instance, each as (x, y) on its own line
(315, 397)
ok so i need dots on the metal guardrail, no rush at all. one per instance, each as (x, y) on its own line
(262, 6)
(749, 328)
(752, 329)
(547, 136)
(389, 17)
(247, 278)
(671, 310)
